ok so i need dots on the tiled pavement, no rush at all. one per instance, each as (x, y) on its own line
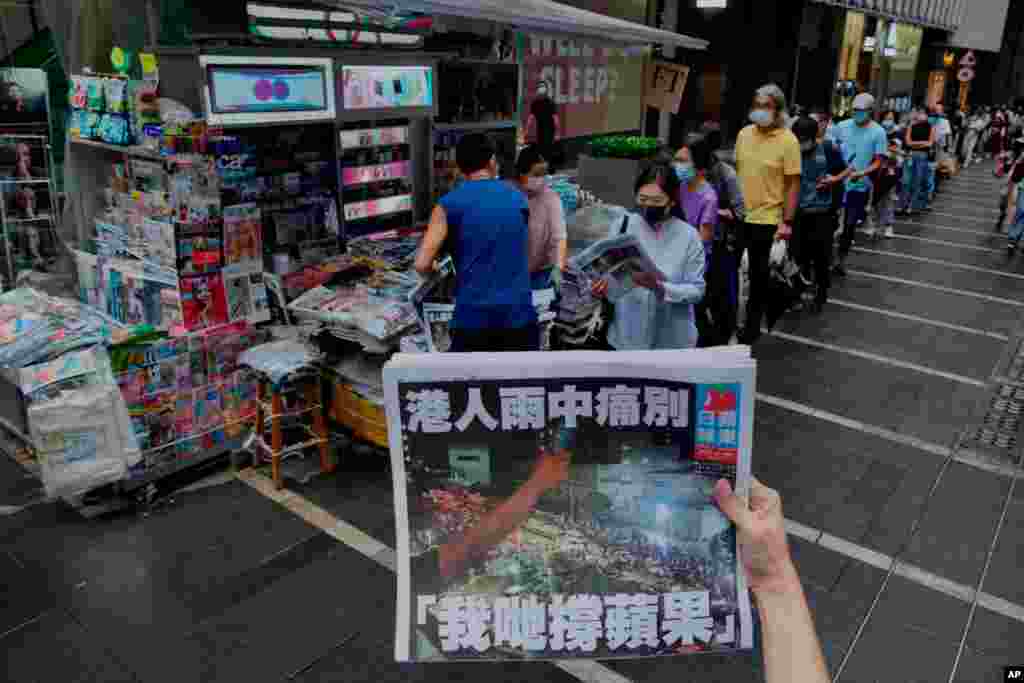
(223, 584)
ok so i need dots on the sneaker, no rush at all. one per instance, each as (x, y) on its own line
(889, 232)
(869, 233)
(1011, 247)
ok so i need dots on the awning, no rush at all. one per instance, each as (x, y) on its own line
(942, 14)
(545, 17)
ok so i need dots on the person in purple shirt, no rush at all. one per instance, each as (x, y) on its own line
(698, 206)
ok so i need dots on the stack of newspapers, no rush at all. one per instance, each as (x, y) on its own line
(578, 311)
(561, 510)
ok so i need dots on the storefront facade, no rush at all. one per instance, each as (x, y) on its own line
(878, 56)
(888, 49)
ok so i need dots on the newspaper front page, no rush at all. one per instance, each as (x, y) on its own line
(559, 506)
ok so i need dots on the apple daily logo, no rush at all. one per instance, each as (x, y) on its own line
(1013, 673)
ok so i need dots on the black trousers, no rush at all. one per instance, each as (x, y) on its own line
(494, 340)
(814, 235)
(757, 240)
(716, 314)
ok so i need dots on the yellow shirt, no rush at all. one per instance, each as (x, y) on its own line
(762, 162)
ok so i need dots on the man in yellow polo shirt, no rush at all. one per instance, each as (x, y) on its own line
(768, 165)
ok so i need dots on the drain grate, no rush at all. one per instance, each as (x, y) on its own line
(1015, 372)
(1000, 428)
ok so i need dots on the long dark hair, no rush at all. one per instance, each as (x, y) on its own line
(543, 110)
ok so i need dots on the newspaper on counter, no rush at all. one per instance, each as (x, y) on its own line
(436, 318)
(617, 259)
(355, 307)
(564, 510)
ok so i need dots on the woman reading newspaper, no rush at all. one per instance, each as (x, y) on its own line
(651, 269)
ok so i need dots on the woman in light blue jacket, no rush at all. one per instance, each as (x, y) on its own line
(658, 312)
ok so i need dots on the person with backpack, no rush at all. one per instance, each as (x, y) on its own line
(822, 170)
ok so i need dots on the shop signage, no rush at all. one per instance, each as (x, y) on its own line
(664, 85)
(595, 89)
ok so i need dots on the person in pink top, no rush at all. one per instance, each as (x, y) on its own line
(698, 206)
(547, 246)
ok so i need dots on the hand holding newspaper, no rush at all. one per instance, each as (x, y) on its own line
(621, 261)
(556, 510)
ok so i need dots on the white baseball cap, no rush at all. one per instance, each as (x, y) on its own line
(863, 101)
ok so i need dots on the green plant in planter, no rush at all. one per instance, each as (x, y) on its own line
(624, 147)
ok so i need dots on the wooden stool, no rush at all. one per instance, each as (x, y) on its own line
(307, 383)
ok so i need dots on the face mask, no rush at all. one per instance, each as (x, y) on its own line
(684, 171)
(888, 124)
(860, 116)
(653, 214)
(534, 185)
(761, 117)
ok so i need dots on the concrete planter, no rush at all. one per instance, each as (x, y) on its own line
(610, 180)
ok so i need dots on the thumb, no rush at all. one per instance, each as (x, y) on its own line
(731, 505)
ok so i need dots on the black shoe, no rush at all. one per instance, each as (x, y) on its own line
(817, 307)
(747, 338)
(839, 270)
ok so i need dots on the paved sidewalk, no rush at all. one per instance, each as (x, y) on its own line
(908, 532)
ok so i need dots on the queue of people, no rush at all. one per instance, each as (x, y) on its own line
(799, 180)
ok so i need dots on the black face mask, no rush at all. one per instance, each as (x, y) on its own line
(653, 214)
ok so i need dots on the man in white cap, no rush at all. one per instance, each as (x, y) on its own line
(865, 144)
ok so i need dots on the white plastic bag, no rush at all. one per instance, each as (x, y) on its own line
(79, 423)
(778, 253)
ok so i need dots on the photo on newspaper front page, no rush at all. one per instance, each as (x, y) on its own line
(550, 510)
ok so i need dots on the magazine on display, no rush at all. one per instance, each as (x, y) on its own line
(616, 259)
(548, 511)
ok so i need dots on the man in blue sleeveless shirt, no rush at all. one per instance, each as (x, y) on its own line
(485, 224)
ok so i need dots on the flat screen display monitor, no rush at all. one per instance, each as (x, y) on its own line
(387, 87)
(256, 90)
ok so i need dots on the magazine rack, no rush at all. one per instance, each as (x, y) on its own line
(28, 206)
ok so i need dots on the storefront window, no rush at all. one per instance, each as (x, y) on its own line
(879, 57)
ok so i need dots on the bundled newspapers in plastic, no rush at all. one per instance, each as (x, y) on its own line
(554, 507)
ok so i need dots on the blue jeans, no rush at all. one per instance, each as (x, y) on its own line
(932, 167)
(1016, 229)
(856, 213)
(916, 195)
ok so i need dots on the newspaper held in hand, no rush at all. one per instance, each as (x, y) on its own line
(618, 260)
(549, 511)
